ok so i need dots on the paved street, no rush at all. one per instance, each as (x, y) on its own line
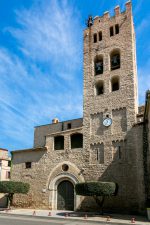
(7, 220)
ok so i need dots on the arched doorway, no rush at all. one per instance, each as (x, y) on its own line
(65, 195)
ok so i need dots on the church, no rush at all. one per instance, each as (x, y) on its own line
(112, 140)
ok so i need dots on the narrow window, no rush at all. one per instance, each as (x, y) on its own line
(119, 152)
(100, 36)
(59, 143)
(98, 65)
(115, 84)
(115, 60)
(95, 38)
(76, 141)
(100, 155)
(28, 165)
(117, 28)
(69, 126)
(99, 88)
(111, 31)
(9, 163)
(7, 174)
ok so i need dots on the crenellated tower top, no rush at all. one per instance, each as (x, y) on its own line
(106, 15)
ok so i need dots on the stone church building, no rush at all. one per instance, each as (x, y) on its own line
(110, 142)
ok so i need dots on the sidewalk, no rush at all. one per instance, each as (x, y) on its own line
(111, 218)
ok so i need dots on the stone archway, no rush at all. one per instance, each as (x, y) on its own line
(72, 175)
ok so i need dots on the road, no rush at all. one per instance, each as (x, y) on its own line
(15, 220)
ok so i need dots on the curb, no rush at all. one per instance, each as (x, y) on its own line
(64, 219)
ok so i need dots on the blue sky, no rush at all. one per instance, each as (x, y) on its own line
(41, 61)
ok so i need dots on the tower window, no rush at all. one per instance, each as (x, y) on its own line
(119, 152)
(117, 28)
(116, 153)
(95, 38)
(111, 31)
(98, 65)
(59, 142)
(115, 60)
(99, 88)
(100, 155)
(69, 126)
(115, 84)
(76, 141)
(100, 35)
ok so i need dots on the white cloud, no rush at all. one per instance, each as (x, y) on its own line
(50, 33)
(43, 81)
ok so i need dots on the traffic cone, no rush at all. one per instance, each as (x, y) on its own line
(133, 220)
(34, 213)
(66, 215)
(49, 214)
(108, 218)
(85, 216)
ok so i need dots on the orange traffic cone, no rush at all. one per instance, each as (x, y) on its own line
(108, 218)
(66, 215)
(49, 214)
(133, 220)
(85, 217)
(34, 213)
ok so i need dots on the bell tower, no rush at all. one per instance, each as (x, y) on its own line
(110, 82)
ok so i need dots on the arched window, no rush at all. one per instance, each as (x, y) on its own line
(76, 140)
(98, 63)
(115, 60)
(115, 84)
(59, 142)
(99, 86)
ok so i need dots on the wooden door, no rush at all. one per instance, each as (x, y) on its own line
(65, 196)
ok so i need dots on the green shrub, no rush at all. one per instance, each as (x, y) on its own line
(14, 187)
(96, 188)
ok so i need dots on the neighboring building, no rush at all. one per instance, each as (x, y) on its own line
(5, 165)
(146, 147)
(107, 144)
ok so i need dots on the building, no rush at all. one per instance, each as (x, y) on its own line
(146, 147)
(107, 144)
(5, 165)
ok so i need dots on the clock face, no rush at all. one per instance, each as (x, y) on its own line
(107, 122)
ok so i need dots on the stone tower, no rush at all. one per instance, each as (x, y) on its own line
(110, 79)
(110, 97)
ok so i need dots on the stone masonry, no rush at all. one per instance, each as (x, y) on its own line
(111, 152)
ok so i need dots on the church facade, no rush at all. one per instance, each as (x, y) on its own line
(110, 142)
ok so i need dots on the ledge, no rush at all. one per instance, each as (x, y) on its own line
(30, 150)
(65, 131)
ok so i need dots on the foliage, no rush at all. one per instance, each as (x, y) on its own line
(14, 187)
(96, 188)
